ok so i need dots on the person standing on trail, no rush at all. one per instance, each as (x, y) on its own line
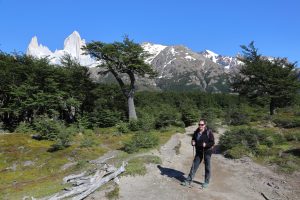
(203, 139)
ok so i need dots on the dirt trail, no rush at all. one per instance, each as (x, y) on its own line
(231, 179)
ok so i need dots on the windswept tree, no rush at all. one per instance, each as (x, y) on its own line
(272, 81)
(122, 58)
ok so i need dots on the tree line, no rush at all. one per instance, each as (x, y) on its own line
(32, 88)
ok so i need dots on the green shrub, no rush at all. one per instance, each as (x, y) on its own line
(237, 152)
(179, 123)
(141, 140)
(83, 123)
(286, 163)
(209, 114)
(24, 127)
(122, 127)
(264, 150)
(292, 135)
(296, 110)
(287, 122)
(63, 140)
(134, 125)
(1, 127)
(213, 126)
(238, 118)
(54, 130)
(61, 143)
(250, 139)
(146, 122)
(189, 117)
(166, 119)
(87, 141)
(262, 143)
(105, 118)
(275, 138)
(88, 132)
(47, 128)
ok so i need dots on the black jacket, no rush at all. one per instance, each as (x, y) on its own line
(207, 137)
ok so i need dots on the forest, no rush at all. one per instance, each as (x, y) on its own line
(58, 113)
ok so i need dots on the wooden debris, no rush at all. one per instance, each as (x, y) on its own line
(68, 178)
(84, 184)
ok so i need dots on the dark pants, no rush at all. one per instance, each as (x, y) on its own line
(197, 160)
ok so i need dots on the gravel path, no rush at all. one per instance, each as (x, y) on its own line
(231, 179)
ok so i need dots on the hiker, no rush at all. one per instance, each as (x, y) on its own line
(203, 139)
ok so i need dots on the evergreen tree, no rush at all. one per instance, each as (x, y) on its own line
(272, 81)
(119, 59)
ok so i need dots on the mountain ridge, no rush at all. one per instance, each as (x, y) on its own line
(177, 65)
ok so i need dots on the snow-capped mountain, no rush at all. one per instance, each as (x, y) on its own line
(178, 67)
(226, 61)
(211, 55)
(72, 46)
(152, 49)
(37, 50)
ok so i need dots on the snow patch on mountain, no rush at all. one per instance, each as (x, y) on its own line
(153, 49)
(173, 51)
(190, 58)
(227, 62)
(211, 55)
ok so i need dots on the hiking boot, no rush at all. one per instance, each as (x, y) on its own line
(185, 183)
(205, 185)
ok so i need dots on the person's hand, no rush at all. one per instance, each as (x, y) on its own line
(193, 143)
(204, 144)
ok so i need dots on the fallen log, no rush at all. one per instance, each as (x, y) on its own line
(68, 178)
(84, 186)
(98, 183)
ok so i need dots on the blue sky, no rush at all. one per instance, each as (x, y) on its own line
(219, 25)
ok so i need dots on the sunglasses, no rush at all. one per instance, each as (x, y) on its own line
(201, 124)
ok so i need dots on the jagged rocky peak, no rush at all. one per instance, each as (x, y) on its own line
(72, 46)
(211, 55)
(227, 62)
(179, 68)
(34, 42)
(152, 49)
(37, 50)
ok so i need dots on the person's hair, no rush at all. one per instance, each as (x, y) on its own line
(203, 120)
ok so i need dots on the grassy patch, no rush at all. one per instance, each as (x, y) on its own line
(136, 166)
(28, 169)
